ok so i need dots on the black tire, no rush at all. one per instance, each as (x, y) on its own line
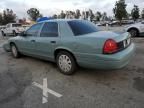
(15, 51)
(134, 32)
(70, 59)
(3, 34)
(14, 33)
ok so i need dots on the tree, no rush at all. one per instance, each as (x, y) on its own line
(34, 14)
(98, 16)
(77, 14)
(120, 10)
(91, 15)
(62, 15)
(1, 19)
(104, 16)
(135, 13)
(8, 16)
(142, 14)
(55, 16)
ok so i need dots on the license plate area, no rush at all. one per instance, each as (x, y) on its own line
(126, 42)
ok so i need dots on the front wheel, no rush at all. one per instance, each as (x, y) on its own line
(66, 63)
(14, 51)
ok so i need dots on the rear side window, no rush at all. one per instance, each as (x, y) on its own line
(50, 29)
(80, 27)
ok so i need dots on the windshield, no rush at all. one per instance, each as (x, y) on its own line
(80, 27)
(16, 25)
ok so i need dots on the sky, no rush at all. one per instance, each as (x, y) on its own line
(50, 7)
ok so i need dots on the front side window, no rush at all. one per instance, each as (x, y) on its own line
(80, 27)
(50, 29)
(34, 30)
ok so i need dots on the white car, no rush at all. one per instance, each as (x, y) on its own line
(12, 29)
(26, 27)
(135, 29)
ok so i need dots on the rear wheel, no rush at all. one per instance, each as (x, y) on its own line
(14, 51)
(66, 63)
(134, 32)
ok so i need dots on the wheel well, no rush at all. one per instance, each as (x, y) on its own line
(59, 50)
(12, 43)
(133, 28)
(14, 31)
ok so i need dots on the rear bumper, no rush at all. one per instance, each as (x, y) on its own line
(114, 61)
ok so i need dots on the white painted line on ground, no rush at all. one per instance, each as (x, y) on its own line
(45, 93)
(46, 90)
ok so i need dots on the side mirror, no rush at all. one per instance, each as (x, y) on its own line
(23, 34)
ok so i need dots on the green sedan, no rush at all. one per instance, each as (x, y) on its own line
(73, 43)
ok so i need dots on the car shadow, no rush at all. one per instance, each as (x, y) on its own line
(83, 73)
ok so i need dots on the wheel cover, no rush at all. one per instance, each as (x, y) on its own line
(14, 51)
(65, 63)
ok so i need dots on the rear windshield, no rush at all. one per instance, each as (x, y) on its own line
(16, 25)
(80, 27)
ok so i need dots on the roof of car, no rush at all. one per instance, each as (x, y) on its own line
(59, 20)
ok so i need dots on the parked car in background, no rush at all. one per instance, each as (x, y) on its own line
(124, 22)
(2, 27)
(135, 29)
(114, 23)
(12, 29)
(72, 43)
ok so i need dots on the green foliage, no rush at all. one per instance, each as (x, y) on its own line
(7, 17)
(91, 15)
(1, 19)
(142, 15)
(62, 15)
(34, 14)
(77, 14)
(99, 15)
(55, 16)
(135, 13)
(120, 10)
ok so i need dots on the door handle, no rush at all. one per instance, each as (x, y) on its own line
(32, 40)
(53, 41)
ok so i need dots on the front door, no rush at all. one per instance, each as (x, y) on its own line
(27, 44)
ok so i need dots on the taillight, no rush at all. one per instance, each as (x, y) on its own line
(110, 46)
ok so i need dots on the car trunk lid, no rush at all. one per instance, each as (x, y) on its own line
(123, 39)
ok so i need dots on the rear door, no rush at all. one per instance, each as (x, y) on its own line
(48, 40)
